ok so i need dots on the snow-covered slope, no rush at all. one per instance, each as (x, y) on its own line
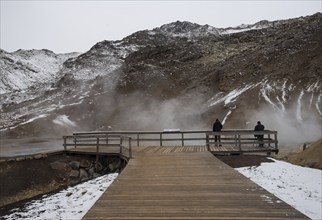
(102, 59)
(185, 29)
(26, 69)
(246, 27)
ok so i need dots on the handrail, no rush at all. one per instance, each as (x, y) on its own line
(163, 136)
(240, 138)
(166, 132)
(137, 135)
(98, 141)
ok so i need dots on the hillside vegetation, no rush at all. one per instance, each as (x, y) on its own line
(310, 157)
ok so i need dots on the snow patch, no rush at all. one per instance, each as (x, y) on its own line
(64, 121)
(284, 91)
(298, 109)
(265, 90)
(230, 97)
(228, 113)
(72, 203)
(298, 186)
(35, 118)
(317, 104)
(313, 87)
(242, 28)
(225, 118)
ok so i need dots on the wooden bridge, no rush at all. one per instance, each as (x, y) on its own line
(183, 181)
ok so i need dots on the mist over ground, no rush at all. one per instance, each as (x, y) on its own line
(292, 128)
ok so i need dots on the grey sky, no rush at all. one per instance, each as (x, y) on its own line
(67, 26)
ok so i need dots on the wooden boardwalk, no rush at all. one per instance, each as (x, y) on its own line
(185, 184)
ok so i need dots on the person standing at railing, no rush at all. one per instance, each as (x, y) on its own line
(260, 137)
(217, 126)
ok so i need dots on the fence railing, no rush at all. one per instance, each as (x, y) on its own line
(98, 141)
(243, 139)
(159, 138)
(238, 138)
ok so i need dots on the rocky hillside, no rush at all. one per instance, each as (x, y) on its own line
(184, 75)
(26, 70)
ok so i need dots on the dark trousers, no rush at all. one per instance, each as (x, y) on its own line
(260, 139)
(217, 138)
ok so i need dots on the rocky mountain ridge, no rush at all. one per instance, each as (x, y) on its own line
(26, 70)
(184, 75)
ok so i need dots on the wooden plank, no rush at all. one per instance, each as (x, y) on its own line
(163, 183)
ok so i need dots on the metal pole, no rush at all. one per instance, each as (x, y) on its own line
(160, 139)
(239, 142)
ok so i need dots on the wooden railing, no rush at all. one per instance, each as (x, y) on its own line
(238, 138)
(100, 140)
(156, 137)
(242, 139)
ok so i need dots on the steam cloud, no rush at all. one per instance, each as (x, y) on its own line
(291, 128)
(144, 113)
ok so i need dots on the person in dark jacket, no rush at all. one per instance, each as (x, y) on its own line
(260, 138)
(217, 128)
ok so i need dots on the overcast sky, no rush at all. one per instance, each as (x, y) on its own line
(68, 26)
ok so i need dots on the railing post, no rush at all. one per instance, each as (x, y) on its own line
(97, 151)
(239, 142)
(275, 139)
(106, 139)
(65, 147)
(130, 147)
(160, 139)
(207, 141)
(75, 142)
(138, 139)
(236, 140)
(121, 143)
(269, 140)
(182, 139)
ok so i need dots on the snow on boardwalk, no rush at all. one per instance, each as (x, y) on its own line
(186, 186)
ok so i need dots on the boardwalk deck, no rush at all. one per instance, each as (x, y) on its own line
(185, 183)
